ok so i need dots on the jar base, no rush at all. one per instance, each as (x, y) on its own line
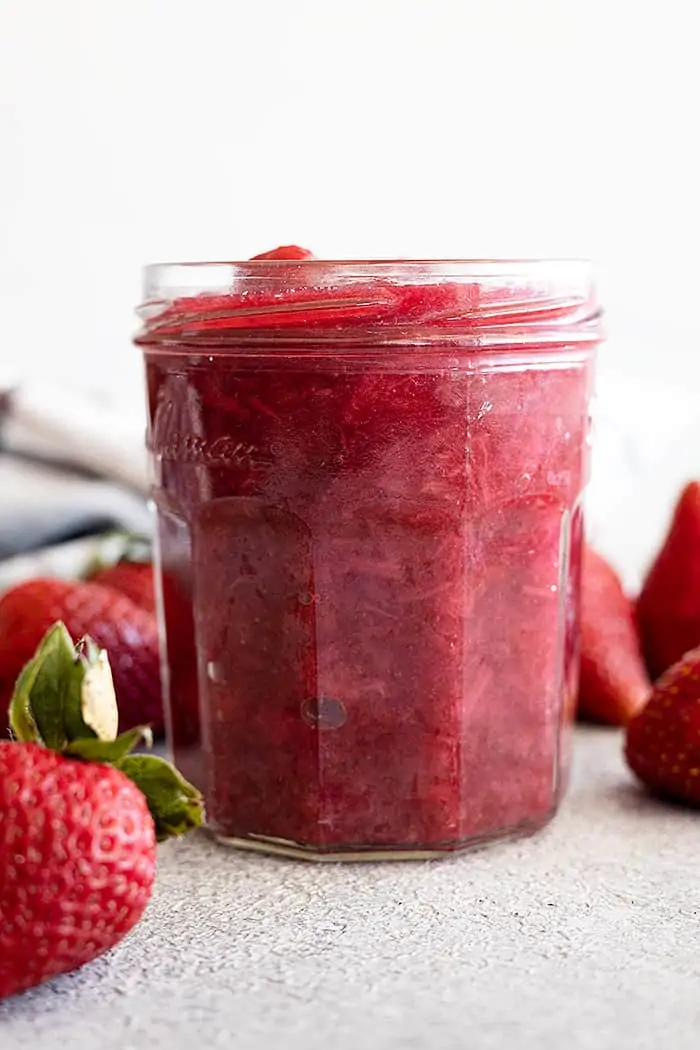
(292, 850)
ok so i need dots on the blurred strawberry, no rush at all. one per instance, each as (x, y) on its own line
(116, 623)
(132, 578)
(128, 569)
(668, 608)
(614, 684)
(663, 741)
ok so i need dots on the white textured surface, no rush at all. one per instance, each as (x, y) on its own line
(585, 937)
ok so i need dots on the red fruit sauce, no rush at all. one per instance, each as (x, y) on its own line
(368, 478)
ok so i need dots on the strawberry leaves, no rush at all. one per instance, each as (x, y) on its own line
(60, 686)
(110, 751)
(175, 805)
(64, 700)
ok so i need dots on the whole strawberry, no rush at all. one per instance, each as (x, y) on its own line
(668, 608)
(614, 684)
(103, 886)
(131, 578)
(663, 741)
(116, 623)
(130, 571)
(79, 817)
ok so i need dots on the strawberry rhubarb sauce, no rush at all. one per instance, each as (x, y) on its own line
(367, 478)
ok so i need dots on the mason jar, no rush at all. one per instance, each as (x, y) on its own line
(368, 478)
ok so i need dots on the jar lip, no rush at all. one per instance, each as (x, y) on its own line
(477, 260)
(383, 266)
(492, 301)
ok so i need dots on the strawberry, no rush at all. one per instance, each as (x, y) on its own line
(42, 934)
(614, 683)
(668, 608)
(80, 817)
(132, 578)
(289, 252)
(129, 570)
(113, 620)
(663, 741)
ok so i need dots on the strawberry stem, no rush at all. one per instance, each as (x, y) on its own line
(128, 547)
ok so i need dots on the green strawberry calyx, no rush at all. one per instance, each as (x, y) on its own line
(117, 547)
(64, 699)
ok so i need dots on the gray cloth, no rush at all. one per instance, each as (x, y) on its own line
(42, 505)
(69, 468)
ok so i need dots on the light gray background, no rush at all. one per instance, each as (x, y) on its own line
(131, 133)
(585, 937)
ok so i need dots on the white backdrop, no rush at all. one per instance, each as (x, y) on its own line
(143, 130)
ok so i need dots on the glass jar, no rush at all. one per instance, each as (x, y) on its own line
(368, 481)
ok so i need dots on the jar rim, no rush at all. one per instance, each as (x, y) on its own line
(452, 266)
(492, 302)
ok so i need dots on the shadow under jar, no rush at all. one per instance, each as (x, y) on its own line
(368, 480)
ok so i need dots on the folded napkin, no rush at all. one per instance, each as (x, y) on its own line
(83, 430)
(71, 466)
